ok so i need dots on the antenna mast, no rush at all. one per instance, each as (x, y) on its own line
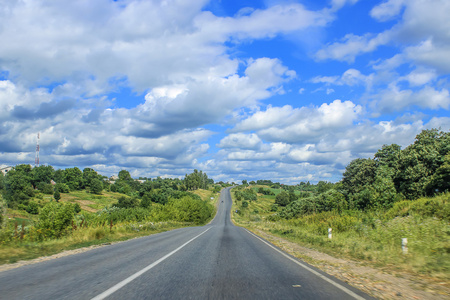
(36, 159)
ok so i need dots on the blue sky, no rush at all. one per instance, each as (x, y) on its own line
(284, 90)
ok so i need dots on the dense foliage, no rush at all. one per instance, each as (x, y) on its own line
(24, 188)
(393, 174)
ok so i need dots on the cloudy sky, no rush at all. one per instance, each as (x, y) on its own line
(242, 89)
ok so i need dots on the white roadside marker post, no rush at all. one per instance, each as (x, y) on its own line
(329, 233)
(405, 245)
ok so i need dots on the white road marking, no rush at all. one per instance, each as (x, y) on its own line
(342, 288)
(137, 274)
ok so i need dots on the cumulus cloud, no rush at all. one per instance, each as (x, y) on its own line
(241, 141)
(422, 31)
(64, 66)
(396, 99)
(387, 10)
(171, 108)
(352, 45)
(351, 77)
(300, 124)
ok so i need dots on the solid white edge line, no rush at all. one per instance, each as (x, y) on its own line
(137, 274)
(344, 289)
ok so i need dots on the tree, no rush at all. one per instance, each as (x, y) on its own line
(359, 175)
(88, 176)
(419, 161)
(124, 175)
(146, 201)
(388, 155)
(2, 181)
(62, 187)
(96, 186)
(384, 192)
(18, 185)
(42, 174)
(59, 176)
(57, 196)
(196, 180)
(282, 199)
(440, 181)
(73, 177)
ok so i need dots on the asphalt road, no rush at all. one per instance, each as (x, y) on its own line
(216, 261)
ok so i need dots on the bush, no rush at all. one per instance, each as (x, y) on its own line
(297, 208)
(438, 207)
(57, 196)
(127, 202)
(188, 209)
(55, 219)
(282, 199)
(46, 188)
(33, 208)
(146, 201)
(62, 188)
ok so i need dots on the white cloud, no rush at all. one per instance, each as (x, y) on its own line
(352, 46)
(351, 77)
(387, 10)
(300, 124)
(241, 141)
(396, 99)
(431, 55)
(418, 78)
(261, 23)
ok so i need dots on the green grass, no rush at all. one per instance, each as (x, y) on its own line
(25, 250)
(89, 201)
(373, 237)
(14, 248)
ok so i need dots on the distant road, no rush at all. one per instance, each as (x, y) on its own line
(216, 261)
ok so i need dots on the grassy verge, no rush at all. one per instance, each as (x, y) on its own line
(372, 237)
(25, 250)
(23, 247)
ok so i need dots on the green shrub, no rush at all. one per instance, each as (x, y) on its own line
(188, 209)
(126, 202)
(55, 219)
(282, 199)
(33, 208)
(62, 188)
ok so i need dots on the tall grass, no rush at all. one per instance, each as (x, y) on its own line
(24, 249)
(25, 240)
(372, 236)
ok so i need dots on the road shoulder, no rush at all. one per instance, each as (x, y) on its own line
(375, 282)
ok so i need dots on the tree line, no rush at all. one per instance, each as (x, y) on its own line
(391, 175)
(24, 182)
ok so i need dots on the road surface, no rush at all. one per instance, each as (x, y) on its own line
(216, 261)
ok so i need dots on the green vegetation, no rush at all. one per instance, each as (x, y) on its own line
(397, 194)
(374, 236)
(84, 208)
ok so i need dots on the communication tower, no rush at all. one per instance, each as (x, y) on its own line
(36, 159)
